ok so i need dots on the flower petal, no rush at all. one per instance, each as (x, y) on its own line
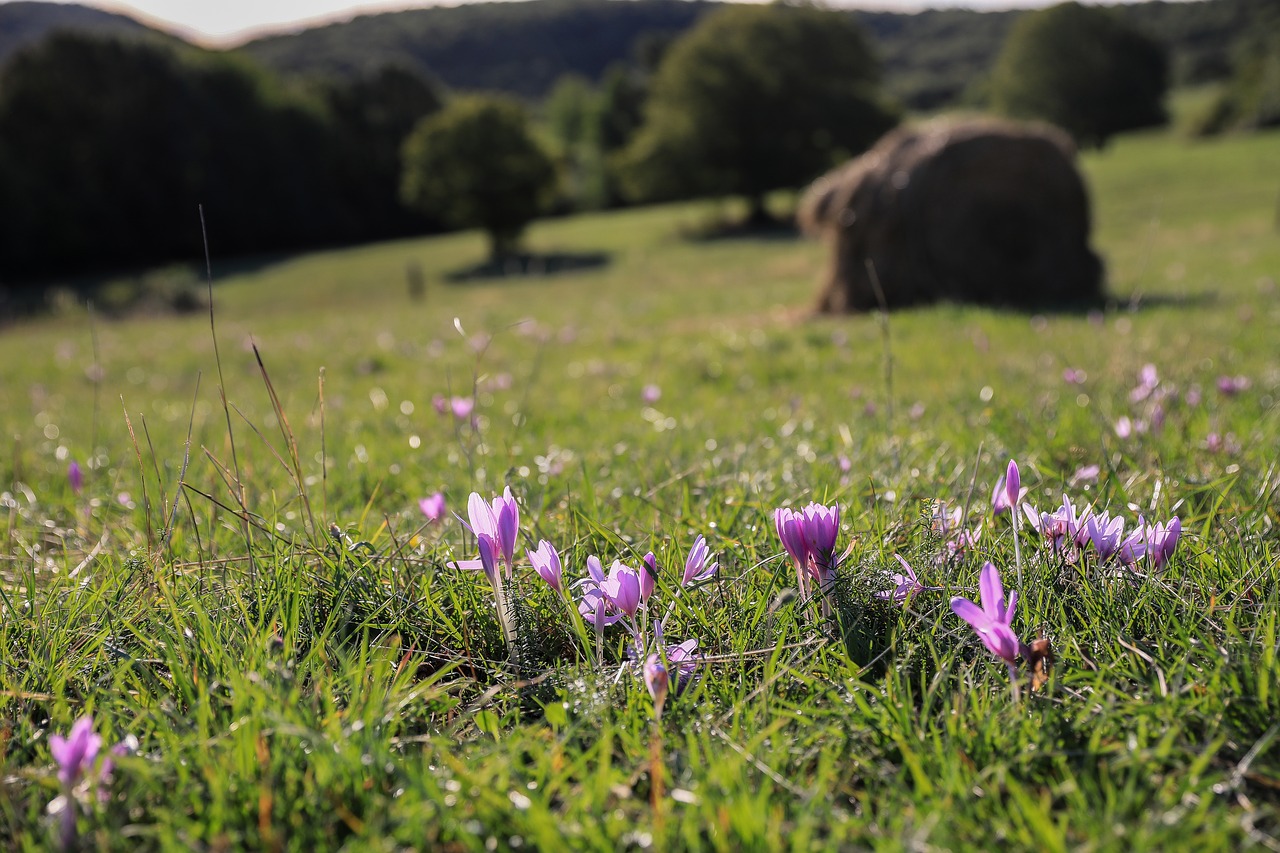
(992, 593)
(971, 613)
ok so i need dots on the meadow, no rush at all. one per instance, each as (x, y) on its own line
(251, 590)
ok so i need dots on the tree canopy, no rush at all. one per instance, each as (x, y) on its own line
(108, 146)
(1084, 69)
(475, 164)
(755, 98)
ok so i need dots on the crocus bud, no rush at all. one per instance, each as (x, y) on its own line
(656, 679)
(75, 476)
(648, 576)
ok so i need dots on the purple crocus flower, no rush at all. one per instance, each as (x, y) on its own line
(462, 407)
(596, 572)
(696, 569)
(1162, 540)
(1054, 526)
(650, 394)
(1075, 523)
(488, 558)
(684, 659)
(1086, 474)
(1008, 492)
(809, 537)
(1148, 379)
(74, 756)
(1105, 533)
(1124, 427)
(1156, 541)
(648, 576)
(75, 476)
(992, 621)
(500, 522)
(657, 681)
(790, 527)
(433, 507)
(75, 753)
(1229, 386)
(596, 607)
(546, 562)
(947, 524)
(622, 588)
(821, 527)
(595, 610)
(905, 585)
(1134, 546)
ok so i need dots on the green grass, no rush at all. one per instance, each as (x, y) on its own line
(291, 692)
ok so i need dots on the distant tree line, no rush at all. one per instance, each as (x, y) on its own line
(107, 146)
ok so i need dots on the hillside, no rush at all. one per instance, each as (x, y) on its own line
(515, 47)
(930, 57)
(23, 23)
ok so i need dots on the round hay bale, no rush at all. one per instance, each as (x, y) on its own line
(975, 210)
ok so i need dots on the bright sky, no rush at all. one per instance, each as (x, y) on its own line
(224, 22)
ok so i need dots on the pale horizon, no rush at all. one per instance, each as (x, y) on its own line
(227, 24)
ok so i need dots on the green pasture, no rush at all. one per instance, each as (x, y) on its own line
(295, 690)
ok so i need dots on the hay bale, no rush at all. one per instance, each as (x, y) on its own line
(976, 210)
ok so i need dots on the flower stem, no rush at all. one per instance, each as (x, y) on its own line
(1017, 550)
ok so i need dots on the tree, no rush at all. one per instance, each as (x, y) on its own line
(372, 116)
(570, 112)
(755, 98)
(1082, 68)
(112, 144)
(475, 164)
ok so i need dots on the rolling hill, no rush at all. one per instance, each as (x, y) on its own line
(25, 23)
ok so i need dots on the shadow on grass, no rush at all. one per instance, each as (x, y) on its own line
(720, 229)
(1144, 301)
(528, 265)
(1094, 309)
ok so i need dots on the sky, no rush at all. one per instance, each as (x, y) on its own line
(227, 22)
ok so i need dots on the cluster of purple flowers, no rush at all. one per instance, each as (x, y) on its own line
(1071, 531)
(461, 407)
(809, 536)
(1152, 398)
(619, 596)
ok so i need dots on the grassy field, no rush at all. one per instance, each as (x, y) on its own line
(290, 688)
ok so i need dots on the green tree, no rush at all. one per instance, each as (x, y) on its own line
(112, 144)
(755, 98)
(372, 116)
(1082, 68)
(620, 110)
(475, 164)
(570, 111)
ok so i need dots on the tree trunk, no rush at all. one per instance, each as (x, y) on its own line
(757, 214)
(502, 245)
